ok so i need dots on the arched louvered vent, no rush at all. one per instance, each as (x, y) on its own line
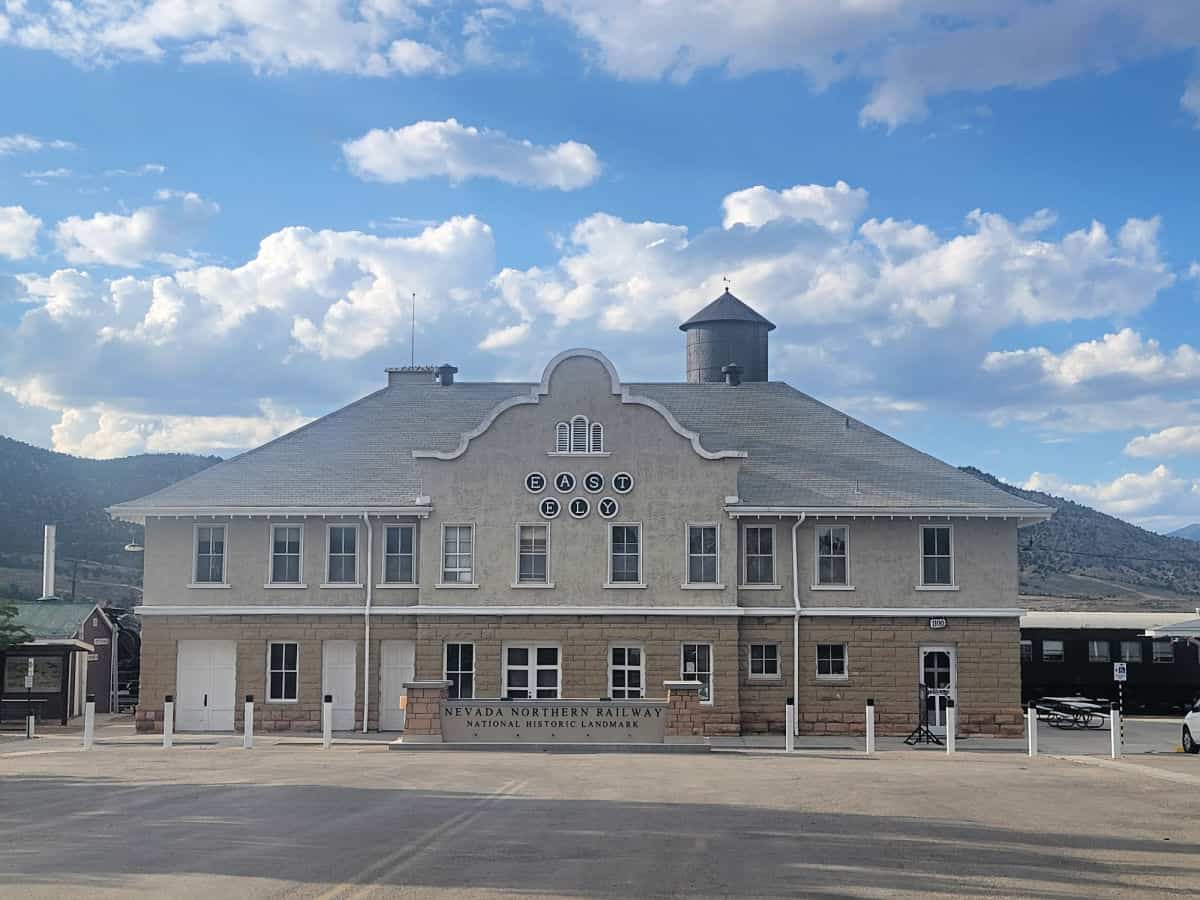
(579, 434)
(562, 438)
(597, 440)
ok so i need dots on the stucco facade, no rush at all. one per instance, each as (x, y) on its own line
(611, 577)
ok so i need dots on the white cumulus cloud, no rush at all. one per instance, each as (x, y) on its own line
(837, 208)
(23, 143)
(1178, 440)
(151, 233)
(1142, 497)
(458, 152)
(18, 232)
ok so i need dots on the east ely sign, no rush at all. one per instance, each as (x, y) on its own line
(554, 721)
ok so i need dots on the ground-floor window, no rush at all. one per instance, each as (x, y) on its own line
(1026, 651)
(696, 665)
(1164, 652)
(831, 661)
(625, 673)
(283, 671)
(1052, 651)
(460, 671)
(764, 660)
(1098, 651)
(532, 672)
(1131, 651)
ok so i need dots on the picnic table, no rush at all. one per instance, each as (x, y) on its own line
(1071, 712)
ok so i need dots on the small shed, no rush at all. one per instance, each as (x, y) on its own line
(72, 648)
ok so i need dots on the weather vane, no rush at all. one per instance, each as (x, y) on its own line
(725, 278)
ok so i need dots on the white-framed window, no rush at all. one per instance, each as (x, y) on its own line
(1026, 651)
(210, 554)
(532, 671)
(759, 552)
(283, 671)
(287, 553)
(596, 440)
(937, 556)
(1131, 651)
(579, 434)
(625, 554)
(1099, 652)
(342, 561)
(1052, 651)
(533, 553)
(832, 661)
(833, 556)
(764, 661)
(695, 664)
(459, 670)
(562, 438)
(1164, 651)
(703, 554)
(626, 672)
(399, 554)
(458, 554)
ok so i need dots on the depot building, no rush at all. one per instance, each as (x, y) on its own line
(586, 538)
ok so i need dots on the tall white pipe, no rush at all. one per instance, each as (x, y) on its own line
(367, 625)
(48, 561)
(796, 627)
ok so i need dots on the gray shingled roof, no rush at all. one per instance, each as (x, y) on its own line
(802, 453)
(727, 308)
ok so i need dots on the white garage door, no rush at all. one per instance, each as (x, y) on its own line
(337, 678)
(397, 666)
(205, 682)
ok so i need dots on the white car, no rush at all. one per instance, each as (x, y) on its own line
(1191, 730)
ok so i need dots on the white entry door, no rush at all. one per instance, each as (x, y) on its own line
(338, 678)
(939, 676)
(397, 666)
(205, 682)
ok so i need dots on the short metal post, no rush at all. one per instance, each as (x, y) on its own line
(168, 721)
(30, 726)
(1114, 727)
(789, 718)
(870, 726)
(1031, 727)
(248, 724)
(327, 722)
(951, 725)
(89, 722)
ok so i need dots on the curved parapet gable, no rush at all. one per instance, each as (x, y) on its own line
(543, 389)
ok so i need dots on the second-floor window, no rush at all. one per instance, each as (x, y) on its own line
(702, 554)
(285, 554)
(458, 554)
(533, 544)
(937, 560)
(760, 554)
(833, 555)
(625, 552)
(210, 554)
(398, 556)
(343, 554)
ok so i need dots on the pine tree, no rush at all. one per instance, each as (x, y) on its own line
(11, 634)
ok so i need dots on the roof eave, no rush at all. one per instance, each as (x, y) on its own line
(1034, 514)
(139, 514)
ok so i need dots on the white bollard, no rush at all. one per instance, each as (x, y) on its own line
(951, 726)
(248, 724)
(789, 718)
(327, 722)
(89, 722)
(871, 727)
(30, 727)
(1031, 726)
(1114, 726)
(169, 721)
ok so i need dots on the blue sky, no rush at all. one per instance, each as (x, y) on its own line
(975, 224)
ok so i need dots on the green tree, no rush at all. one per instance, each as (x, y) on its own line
(11, 634)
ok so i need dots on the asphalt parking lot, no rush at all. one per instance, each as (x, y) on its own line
(291, 820)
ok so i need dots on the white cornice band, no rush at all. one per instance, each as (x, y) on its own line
(957, 612)
(139, 514)
(1037, 514)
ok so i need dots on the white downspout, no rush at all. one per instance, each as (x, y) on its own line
(796, 625)
(367, 626)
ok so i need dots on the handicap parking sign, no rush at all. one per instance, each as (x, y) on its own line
(1120, 670)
